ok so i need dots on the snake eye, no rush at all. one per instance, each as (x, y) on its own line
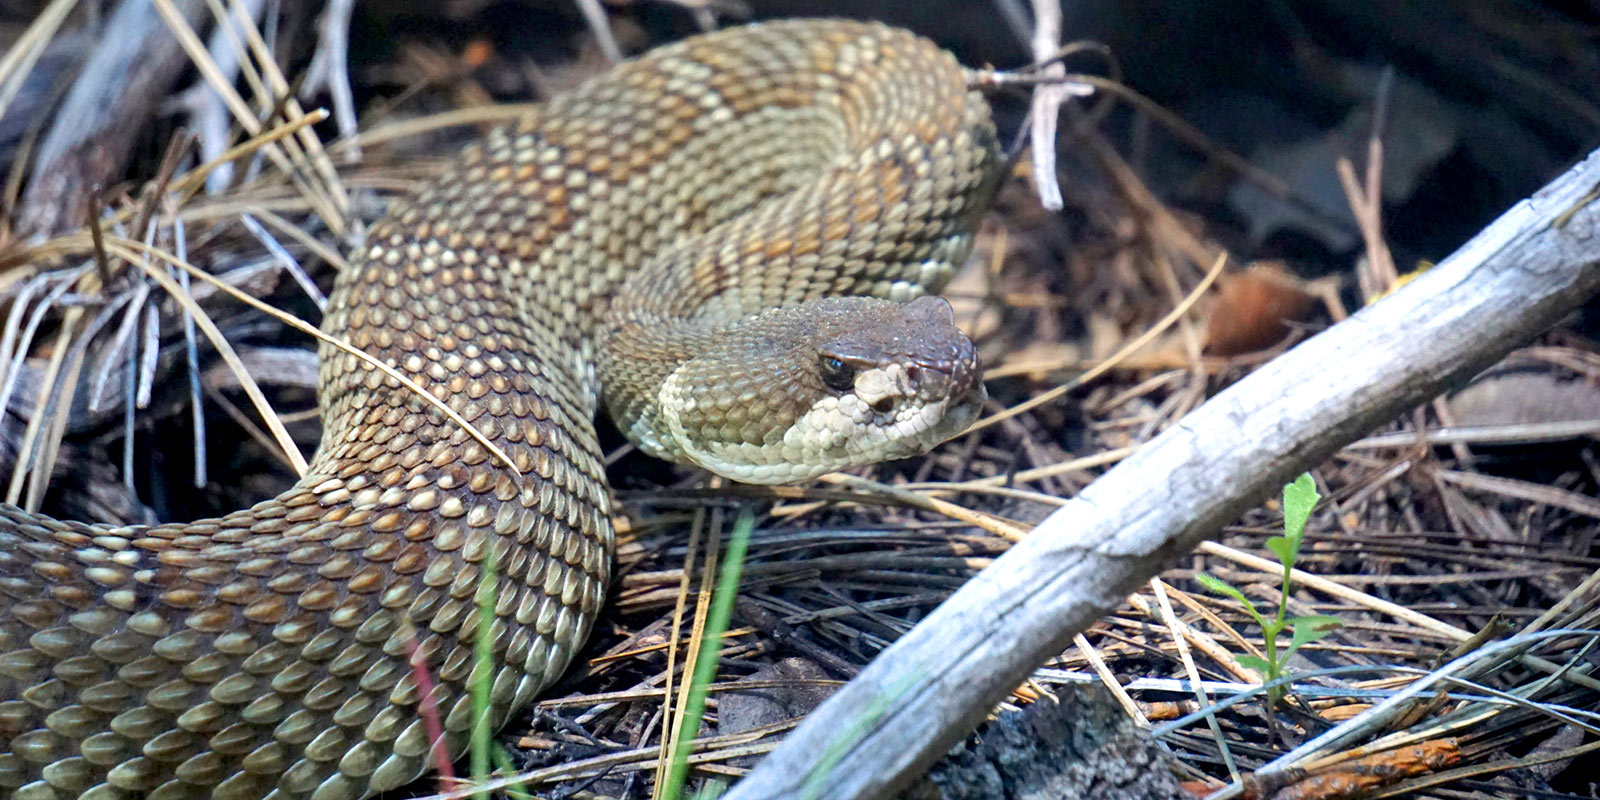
(838, 375)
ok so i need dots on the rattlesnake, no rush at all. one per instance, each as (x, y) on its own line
(721, 243)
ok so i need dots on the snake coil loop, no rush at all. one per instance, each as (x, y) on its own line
(717, 242)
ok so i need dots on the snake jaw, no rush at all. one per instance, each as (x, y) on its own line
(839, 433)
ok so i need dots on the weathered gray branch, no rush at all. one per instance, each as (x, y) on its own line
(109, 106)
(1513, 280)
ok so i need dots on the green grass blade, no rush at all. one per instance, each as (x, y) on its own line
(503, 761)
(705, 668)
(483, 670)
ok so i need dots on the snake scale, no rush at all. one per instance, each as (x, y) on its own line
(724, 243)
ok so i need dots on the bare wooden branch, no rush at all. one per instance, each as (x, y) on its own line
(601, 26)
(1047, 100)
(121, 86)
(330, 67)
(1514, 279)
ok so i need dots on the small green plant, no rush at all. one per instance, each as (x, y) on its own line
(1298, 500)
(482, 745)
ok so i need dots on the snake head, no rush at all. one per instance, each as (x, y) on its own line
(914, 357)
(793, 393)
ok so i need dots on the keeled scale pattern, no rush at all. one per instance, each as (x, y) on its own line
(265, 654)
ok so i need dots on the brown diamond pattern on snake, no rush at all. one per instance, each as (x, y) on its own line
(265, 654)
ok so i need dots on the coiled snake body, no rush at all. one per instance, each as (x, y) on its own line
(683, 241)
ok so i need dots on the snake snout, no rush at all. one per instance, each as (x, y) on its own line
(912, 357)
(940, 380)
(943, 365)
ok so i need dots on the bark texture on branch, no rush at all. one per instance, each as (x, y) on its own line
(1516, 278)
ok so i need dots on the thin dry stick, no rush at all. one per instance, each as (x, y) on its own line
(1326, 586)
(1104, 459)
(697, 534)
(330, 67)
(329, 255)
(248, 425)
(1181, 130)
(315, 154)
(208, 115)
(707, 749)
(240, 58)
(1367, 203)
(1047, 100)
(918, 500)
(1109, 680)
(1188, 601)
(30, 436)
(1180, 637)
(595, 16)
(219, 82)
(327, 208)
(191, 354)
(130, 251)
(59, 413)
(672, 721)
(1205, 644)
(190, 182)
(404, 129)
(1109, 364)
(1579, 594)
(24, 52)
(17, 341)
(1523, 490)
(113, 350)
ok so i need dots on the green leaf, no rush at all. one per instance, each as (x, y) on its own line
(714, 788)
(1258, 664)
(1309, 628)
(1320, 625)
(1220, 586)
(1299, 498)
(1285, 551)
(481, 678)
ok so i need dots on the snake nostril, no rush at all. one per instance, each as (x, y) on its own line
(883, 405)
